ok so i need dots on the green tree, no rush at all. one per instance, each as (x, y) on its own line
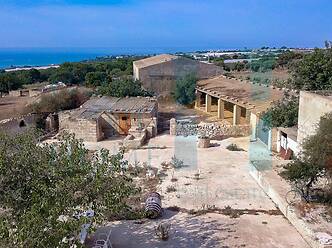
(315, 161)
(29, 76)
(9, 81)
(185, 89)
(287, 58)
(122, 87)
(314, 71)
(283, 114)
(43, 188)
(65, 99)
(94, 79)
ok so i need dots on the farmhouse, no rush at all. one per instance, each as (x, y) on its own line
(238, 102)
(103, 117)
(159, 73)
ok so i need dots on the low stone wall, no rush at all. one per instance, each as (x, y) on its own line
(86, 129)
(277, 195)
(132, 142)
(212, 130)
(20, 124)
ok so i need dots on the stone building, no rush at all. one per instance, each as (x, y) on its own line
(101, 118)
(239, 102)
(312, 106)
(159, 73)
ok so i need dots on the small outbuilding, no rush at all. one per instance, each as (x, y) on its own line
(103, 117)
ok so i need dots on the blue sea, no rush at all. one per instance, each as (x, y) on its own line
(10, 57)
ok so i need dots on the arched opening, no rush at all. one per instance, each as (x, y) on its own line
(22, 123)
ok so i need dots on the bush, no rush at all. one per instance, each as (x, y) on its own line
(315, 161)
(62, 100)
(283, 114)
(234, 147)
(185, 89)
(122, 87)
(314, 71)
(44, 188)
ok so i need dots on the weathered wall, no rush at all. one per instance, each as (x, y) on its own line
(20, 124)
(86, 129)
(312, 108)
(107, 125)
(161, 78)
(211, 130)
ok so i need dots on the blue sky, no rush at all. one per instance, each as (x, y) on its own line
(165, 24)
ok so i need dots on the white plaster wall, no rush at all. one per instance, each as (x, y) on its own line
(312, 107)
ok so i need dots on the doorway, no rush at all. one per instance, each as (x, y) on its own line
(124, 123)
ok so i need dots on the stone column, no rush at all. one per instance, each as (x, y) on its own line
(236, 114)
(248, 113)
(208, 101)
(221, 108)
(253, 124)
(172, 127)
(198, 99)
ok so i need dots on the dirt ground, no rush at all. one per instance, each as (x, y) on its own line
(280, 74)
(11, 107)
(211, 201)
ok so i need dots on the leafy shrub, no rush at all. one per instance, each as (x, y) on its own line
(185, 89)
(315, 161)
(122, 87)
(283, 114)
(61, 100)
(177, 163)
(44, 189)
(234, 147)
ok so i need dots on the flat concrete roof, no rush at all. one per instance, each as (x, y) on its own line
(256, 97)
(323, 93)
(154, 60)
(290, 131)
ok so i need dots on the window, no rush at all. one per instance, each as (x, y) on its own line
(124, 118)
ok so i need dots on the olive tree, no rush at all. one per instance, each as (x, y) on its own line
(43, 187)
(315, 161)
(185, 89)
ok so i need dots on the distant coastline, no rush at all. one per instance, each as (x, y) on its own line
(24, 68)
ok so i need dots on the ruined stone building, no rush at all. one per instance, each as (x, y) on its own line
(159, 73)
(101, 118)
(239, 102)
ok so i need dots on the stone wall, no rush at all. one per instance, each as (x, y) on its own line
(20, 124)
(86, 129)
(161, 78)
(211, 130)
(106, 125)
(312, 107)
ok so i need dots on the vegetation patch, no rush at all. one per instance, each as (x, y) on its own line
(234, 147)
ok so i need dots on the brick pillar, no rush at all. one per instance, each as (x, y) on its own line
(236, 114)
(208, 100)
(221, 108)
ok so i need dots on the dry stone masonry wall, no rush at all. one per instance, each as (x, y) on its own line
(214, 130)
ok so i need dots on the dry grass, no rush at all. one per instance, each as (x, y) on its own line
(11, 107)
